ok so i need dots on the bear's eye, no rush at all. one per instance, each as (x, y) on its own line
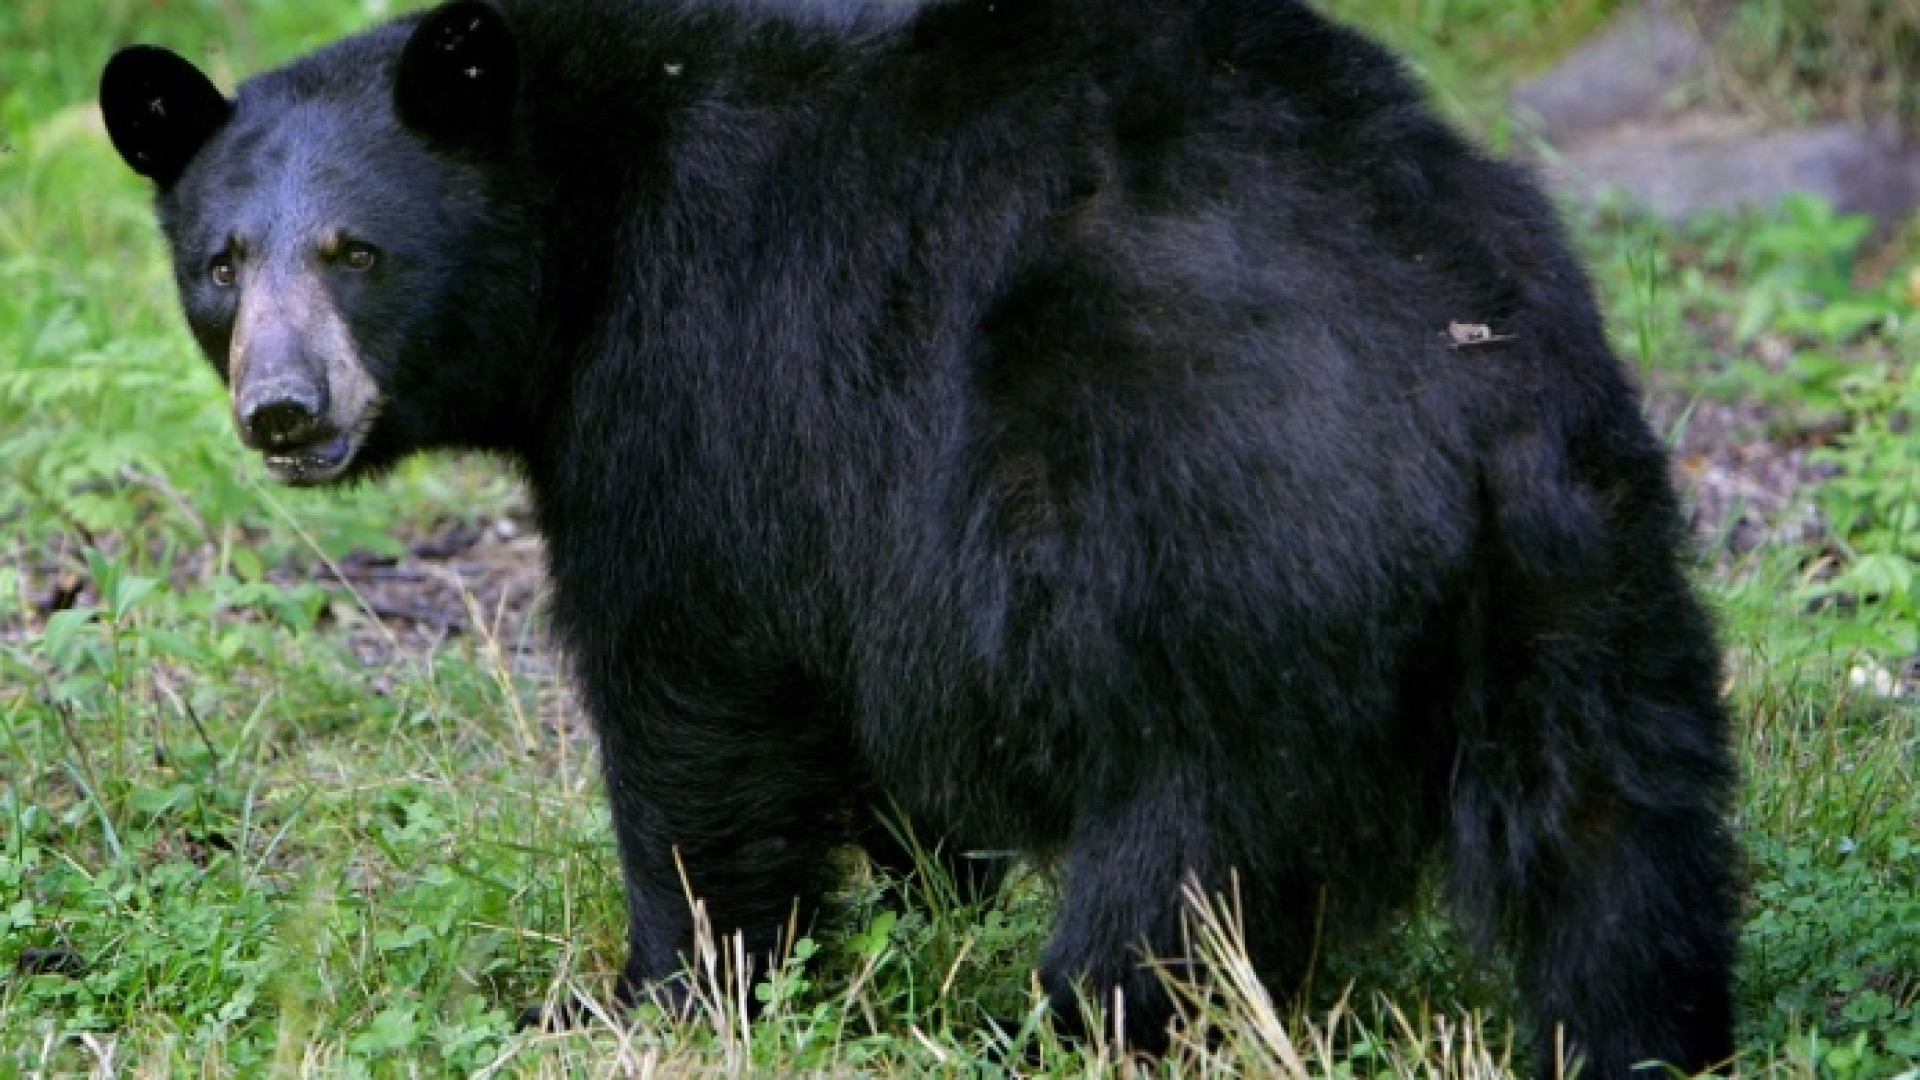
(221, 270)
(357, 256)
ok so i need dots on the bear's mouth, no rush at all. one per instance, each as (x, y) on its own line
(315, 463)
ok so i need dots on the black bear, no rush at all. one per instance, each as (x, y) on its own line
(1136, 434)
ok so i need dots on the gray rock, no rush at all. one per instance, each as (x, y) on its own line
(1603, 123)
(1625, 73)
(1682, 166)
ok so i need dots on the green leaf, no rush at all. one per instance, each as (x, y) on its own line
(127, 594)
(154, 801)
(391, 1029)
(63, 629)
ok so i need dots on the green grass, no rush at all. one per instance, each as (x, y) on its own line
(1803, 58)
(1470, 51)
(247, 829)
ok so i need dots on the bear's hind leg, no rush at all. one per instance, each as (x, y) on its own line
(1594, 772)
(1612, 878)
(1633, 953)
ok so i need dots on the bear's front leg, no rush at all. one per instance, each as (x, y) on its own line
(729, 790)
(1120, 926)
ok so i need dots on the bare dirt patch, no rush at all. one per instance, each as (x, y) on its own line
(1746, 481)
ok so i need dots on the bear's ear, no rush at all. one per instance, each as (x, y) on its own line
(159, 109)
(459, 77)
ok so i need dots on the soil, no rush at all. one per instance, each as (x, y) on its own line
(461, 578)
(1746, 482)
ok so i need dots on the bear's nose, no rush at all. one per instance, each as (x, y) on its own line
(281, 417)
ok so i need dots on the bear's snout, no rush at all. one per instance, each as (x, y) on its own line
(287, 417)
(280, 399)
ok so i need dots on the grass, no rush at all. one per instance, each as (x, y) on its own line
(1803, 58)
(249, 828)
(1470, 51)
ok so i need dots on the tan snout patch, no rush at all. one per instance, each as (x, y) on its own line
(300, 303)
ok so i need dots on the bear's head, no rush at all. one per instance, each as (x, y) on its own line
(347, 249)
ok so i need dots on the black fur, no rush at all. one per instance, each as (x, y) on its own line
(159, 110)
(1044, 414)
